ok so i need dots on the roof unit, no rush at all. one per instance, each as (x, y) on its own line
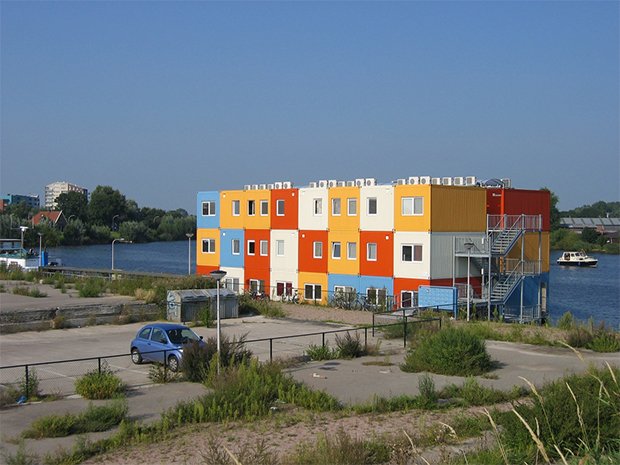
(470, 180)
(341, 184)
(507, 183)
(323, 183)
(247, 187)
(350, 183)
(271, 186)
(360, 182)
(332, 183)
(370, 182)
(287, 184)
(458, 181)
(277, 185)
(262, 186)
(436, 181)
(312, 184)
(254, 187)
(413, 180)
(400, 182)
(425, 179)
(446, 181)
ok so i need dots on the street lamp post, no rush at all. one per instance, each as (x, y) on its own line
(122, 241)
(40, 249)
(468, 246)
(218, 275)
(189, 252)
(23, 230)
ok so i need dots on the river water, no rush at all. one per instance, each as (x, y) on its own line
(585, 292)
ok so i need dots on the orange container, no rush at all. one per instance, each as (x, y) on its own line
(309, 259)
(284, 208)
(376, 253)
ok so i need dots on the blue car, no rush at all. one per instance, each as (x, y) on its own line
(162, 343)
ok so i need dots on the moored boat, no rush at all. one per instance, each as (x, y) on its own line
(576, 259)
(12, 255)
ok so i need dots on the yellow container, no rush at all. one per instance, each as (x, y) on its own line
(343, 221)
(208, 247)
(532, 249)
(311, 282)
(458, 209)
(232, 206)
(256, 210)
(412, 207)
(347, 263)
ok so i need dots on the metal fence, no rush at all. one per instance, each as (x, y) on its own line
(59, 377)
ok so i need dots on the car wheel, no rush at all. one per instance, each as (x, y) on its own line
(135, 356)
(173, 363)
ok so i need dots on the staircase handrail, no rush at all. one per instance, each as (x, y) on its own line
(513, 277)
(530, 267)
(518, 222)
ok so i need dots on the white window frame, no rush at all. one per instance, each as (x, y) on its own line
(253, 243)
(411, 298)
(313, 294)
(369, 247)
(376, 295)
(236, 207)
(280, 247)
(210, 243)
(336, 206)
(235, 244)
(280, 207)
(318, 244)
(264, 208)
(251, 207)
(264, 248)
(286, 288)
(210, 204)
(336, 246)
(413, 253)
(232, 284)
(349, 255)
(352, 206)
(257, 285)
(375, 201)
(317, 207)
(408, 206)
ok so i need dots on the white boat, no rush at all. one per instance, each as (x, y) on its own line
(14, 256)
(576, 259)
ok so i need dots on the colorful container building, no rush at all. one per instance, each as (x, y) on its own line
(378, 245)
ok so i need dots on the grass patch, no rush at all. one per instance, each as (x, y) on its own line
(91, 287)
(97, 384)
(93, 419)
(452, 351)
(28, 291)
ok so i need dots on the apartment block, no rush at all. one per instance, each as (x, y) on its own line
(53, 190)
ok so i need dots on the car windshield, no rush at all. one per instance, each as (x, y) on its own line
(181, 336)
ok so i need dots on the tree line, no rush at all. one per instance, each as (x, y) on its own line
(107, 215)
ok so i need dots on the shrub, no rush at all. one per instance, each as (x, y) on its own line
(579, 336)
(92, 287)
(203, 317)
(471, 392)
(604, 341)
(97, 384)
(566, 321)
(322, 352)
(452, 351)
(428, 394)
(349, 346)
(29, 387)
(160, 374)
(198, 356)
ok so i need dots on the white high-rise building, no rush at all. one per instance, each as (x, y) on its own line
(53, 190)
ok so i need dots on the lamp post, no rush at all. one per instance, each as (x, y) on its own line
(218, 275)
(468, 246)
(122, 241)
(189, 252)
(40, 249)
(23, 230)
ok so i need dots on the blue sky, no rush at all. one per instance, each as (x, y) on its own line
(161, 100)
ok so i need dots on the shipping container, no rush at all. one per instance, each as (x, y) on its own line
(233, 209)
(208, 210)
(376, 253)
(284, 250)
(521, 202)
(313, 208)
(231, 251)
(343, 252)
(533, 242)
(443, 263)
(412, 207)
(344, 211)
(412, 255)
(234, 279)
(313, 251)
(313, 287)
(376, 208)
(256, 209)
(285, 209)
(208, 247)
(458, 209)
(256, 259)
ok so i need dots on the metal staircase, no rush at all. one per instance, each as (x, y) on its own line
(506, 284)
(504, 241)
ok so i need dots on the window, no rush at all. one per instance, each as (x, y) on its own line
(264, 207)
(232, 284)
(208, 208)
(336, 252)
(411, 253)
(284, 288)
(317, 249)
(376, 296)
(251, 247)
(318, 207)
(257, 285)
(371, 251)
(352, 207)
(352, 250)
(280, 207)
(159, 336)
(280, 248)
(407, 299)
(312, 292)
(336, 207)
(236, 207)
(372, 205)
(251, 207)
(208, 246)
(264, 248)
(145, 333)
(236, 246)
(411, 206)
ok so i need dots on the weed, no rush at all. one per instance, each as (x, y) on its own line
(97, 384)
(91, 287)
(428, 394)
(21, 457)
(566, 321)
(204, 317)
(451, 351)
(473, 393)
(349, 346)
(29, 386)
(321, 352)
(28, 292)
(258, 453)
(59, 322)
(160, 374)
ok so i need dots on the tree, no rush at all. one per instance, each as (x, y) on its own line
(74, 233)
(105, 204)
(554, 214)
(134, 231)
(73, 204)
(590, 235)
